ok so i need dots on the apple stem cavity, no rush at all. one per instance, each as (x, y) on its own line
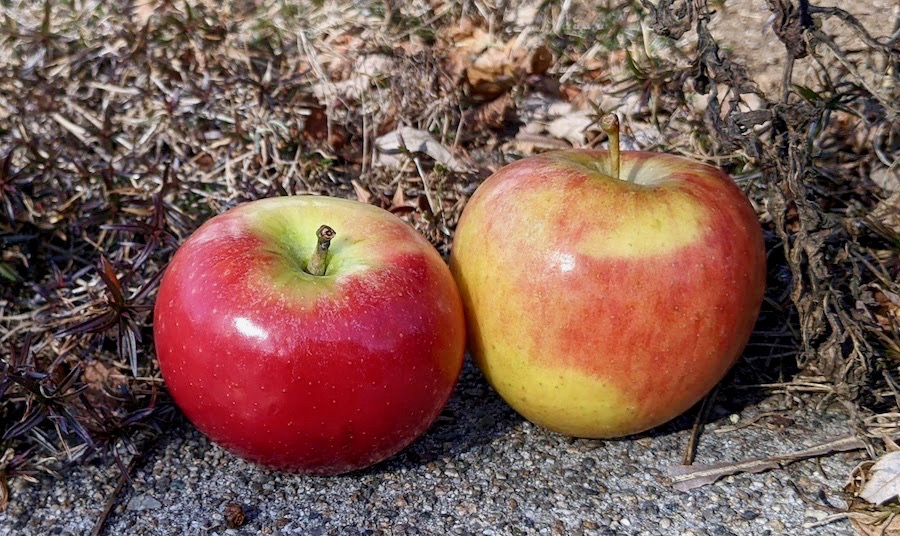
(610, 124)
(318, 261)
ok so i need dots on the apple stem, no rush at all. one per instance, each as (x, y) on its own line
(610, 124)
(318, 261)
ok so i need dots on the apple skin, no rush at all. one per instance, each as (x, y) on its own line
(598, 307)
(318, 375)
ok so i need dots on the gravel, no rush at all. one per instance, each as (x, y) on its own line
(480, 470)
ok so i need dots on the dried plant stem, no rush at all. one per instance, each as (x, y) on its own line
(110, 502)
(124, 478)
(686, 478)
(841, 57)
(690, 451)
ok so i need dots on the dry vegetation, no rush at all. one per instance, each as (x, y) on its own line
(125, 125)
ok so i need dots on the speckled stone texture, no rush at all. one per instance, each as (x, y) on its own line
(480, 470)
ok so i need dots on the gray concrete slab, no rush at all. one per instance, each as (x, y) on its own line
(480, 470)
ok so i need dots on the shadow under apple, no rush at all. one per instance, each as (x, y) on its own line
(474, 417)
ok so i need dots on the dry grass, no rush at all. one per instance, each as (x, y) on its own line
(123, 126)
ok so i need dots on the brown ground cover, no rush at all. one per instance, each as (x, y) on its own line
(123, 126)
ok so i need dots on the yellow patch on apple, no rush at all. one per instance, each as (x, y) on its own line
(560, 399)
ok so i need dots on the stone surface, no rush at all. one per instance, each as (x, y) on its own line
(139, 503)
(480, 470)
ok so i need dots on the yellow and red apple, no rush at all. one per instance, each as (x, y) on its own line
(607, 294)
(310, 348)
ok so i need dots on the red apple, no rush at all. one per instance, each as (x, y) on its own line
(600, 301)
(319, 374)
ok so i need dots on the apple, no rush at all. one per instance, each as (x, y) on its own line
(309, 334)
(606, 292)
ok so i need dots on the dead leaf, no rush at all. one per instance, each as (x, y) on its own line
(541, 60)
(99, 377)
(491, 74)
(316, 129)
(102, 382)
(408, 139)
(890, 444)
(572, 127)
(538, 107)
(338, 60)
(875, 524)
(399, 197)
(887, 212)
(888, 311)
(887, 178)
(204, 161)
(467, 42)
(883, 483)
(494, 114)
(363, 75)
(492, 67)
(315, 125)
(400, 204)
(528, 143)
(144, 11)
(569, 92)
(234, 515)
(524, 15)
(362, 194)
(463, 30)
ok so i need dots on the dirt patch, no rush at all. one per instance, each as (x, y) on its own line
(744, 29)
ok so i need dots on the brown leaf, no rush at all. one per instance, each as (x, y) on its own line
(886, 178)
(101, 380)
(572, 127)
(888, 314)
(541, 60)
(315, 129)
(315, 126)
(4, 493)
(569, 92)
(887, 212)
(875, 524)
(400, 204)
(463, 30)
(205, 161)
(362, 194)
(111, 280)
(234, 515)
(491, 67)
(399, 197)
(144, 11)
(491, 74)
(494, 114)
(97, 372)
